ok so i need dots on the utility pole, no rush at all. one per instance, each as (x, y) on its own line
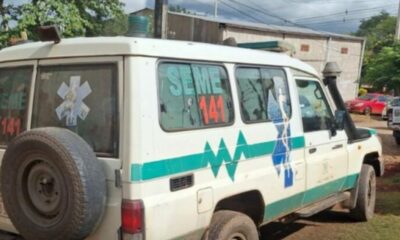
(397, 35)
(216, 9)
(161, 19)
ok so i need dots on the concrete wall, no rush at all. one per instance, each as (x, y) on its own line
(320, 50)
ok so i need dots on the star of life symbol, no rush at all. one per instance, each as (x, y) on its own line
(73, 105)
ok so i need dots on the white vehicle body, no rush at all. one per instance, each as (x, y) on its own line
(219, 162)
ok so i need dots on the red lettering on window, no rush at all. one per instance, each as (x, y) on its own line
(212, 108)
(11, 126)
(221, 108)
(203, 108)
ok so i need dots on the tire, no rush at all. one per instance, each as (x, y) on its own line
(230, 225)
(367, 111)
(52, 184)
(366, 197)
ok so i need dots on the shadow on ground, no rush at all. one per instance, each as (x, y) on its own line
(277, 230)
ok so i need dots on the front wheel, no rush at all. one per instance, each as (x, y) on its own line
(365, 205)
(230, 225)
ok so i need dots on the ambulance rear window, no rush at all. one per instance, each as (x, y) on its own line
(194, 96)
(14, 91)
(82, 98)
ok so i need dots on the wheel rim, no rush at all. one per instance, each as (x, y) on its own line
(42, 191)
(367, 111)
(237, 236)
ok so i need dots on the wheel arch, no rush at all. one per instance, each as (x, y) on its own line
(372, 159)
(250, 203)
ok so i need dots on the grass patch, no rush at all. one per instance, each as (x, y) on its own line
(388, 203)
(392, 180)
(380, 227)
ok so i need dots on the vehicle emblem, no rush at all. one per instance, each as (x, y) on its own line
(73, 105)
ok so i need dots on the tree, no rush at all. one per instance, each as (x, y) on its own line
(379, 31)
(384, 69)
(7, 13)
(74, 17)
(116, 26)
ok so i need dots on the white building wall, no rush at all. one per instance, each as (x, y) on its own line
(349, 63)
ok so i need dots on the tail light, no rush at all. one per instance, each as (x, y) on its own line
(132, 212)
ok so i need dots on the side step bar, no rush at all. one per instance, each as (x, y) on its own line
(322, 205)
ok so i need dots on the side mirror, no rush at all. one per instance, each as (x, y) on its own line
(339, 119)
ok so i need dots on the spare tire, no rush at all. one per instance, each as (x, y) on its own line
(52, 185)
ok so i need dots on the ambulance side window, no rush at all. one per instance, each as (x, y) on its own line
(263, 94)
(15, 85)
(315, 110)
(194, 96)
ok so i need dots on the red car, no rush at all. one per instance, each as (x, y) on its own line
(371, 103)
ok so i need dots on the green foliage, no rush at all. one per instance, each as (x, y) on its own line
(116, 26)
(379, 31)
(383, 70)
(74, 17)
(362, 92)
(46, 12)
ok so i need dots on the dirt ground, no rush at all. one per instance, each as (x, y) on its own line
(335, 223)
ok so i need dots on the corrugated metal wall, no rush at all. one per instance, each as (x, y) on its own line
(191, 29)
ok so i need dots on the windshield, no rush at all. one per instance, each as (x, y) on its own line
(367, 97)
(395, 102)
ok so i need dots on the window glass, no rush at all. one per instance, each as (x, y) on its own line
(395, 102)
(315, 111)
(263, 94)
(367, 97)
(14, 91)
(382, 99)
(194, 96)
(81, 98)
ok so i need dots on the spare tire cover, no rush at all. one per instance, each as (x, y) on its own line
(52, 184)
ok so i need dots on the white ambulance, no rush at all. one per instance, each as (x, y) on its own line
(132, 138)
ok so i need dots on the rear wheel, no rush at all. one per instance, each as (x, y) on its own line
(230, 225)
(365, 205)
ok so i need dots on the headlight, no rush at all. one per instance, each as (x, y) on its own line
(359, 104)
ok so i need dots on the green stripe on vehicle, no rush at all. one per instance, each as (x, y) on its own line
(372, 131)
(182, 164)
(288, 205)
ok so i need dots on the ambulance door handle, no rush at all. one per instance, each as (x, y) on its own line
(312, 150)
(337, 146)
